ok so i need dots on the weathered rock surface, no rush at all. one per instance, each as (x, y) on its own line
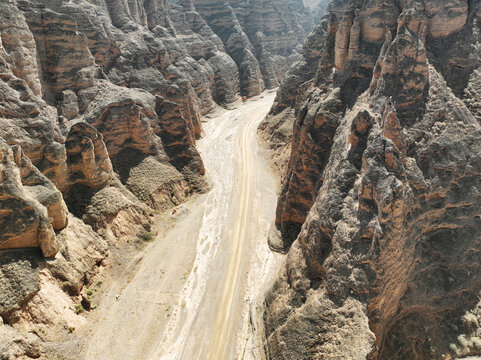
(36, 294)
(17, 345)
(261, 36)
(66, 62)
(378, 211)
(88, 161)
(19, 278)
(78, 47)
(31, 207)
(278, 127)
(223, 20)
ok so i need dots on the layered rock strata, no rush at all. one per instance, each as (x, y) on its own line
(261, 36)
(31, 207)
(378, 211)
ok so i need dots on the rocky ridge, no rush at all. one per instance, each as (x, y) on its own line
(378, 212)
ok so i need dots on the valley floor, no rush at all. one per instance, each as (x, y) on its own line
(194, 292)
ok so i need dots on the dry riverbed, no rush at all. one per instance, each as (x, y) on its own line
(195, 291)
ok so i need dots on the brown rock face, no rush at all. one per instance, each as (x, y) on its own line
(309, 157)
(88, 161)
(124, 118)
(66, 62)
(380, 193)
(223, 20)
(347, 31)
(277, 127)
(59, 63)
(177, 137)
(18, 47)
(32, 208)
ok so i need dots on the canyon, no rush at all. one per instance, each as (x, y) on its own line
(254, 179)
(101, 108)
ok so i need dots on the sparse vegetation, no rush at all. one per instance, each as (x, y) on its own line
(71, 329)
(453, 348)
(146, 236)
(89, 292)
(476, 341)
(79, 309)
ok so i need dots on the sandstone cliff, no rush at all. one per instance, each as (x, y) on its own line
(378, 210)
(262, 36)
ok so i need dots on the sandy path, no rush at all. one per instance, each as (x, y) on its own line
(163, 313)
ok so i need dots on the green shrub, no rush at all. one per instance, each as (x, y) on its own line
(146, 235)
(79, 309)
(476, 342)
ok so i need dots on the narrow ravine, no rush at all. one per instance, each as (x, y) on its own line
(191, 293)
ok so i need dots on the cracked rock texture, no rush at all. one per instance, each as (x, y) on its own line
(378, 212)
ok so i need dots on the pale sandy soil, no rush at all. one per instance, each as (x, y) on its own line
(195, 292)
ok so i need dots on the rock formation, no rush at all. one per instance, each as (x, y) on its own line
(378, 211)
(261, 36)
(66, 65)
(32, 208)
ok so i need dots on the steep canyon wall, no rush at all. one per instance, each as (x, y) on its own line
(261, 36)
(379, 211)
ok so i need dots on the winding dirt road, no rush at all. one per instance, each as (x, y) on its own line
(193, 293)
